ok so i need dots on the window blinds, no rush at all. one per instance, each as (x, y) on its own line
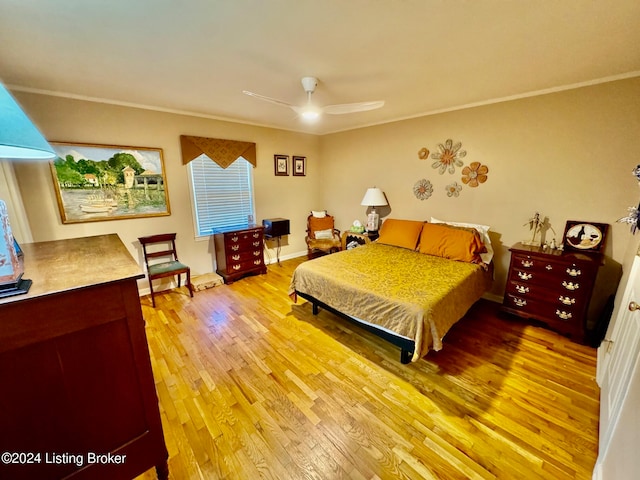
(223, 197)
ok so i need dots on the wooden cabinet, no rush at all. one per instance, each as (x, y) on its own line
(552, 286)
(239, 252)
(78, 394)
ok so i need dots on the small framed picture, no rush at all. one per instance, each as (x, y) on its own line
(299, 166)
(281, 164)
(585, 236)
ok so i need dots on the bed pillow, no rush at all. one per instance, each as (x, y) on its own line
(484, 232)
(400, 233)
(455, 243)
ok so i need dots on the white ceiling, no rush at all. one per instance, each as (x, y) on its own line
(420, 56)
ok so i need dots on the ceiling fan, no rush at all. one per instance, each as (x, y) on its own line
(311, 111)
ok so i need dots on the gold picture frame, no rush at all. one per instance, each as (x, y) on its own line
(95, 183)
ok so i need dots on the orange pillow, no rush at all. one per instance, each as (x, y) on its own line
(454, 243)
(400, 233)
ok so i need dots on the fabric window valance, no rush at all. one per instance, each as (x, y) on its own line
(223, 152)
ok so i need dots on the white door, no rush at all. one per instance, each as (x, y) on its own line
(620, 389)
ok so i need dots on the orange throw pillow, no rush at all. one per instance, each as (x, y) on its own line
(454, 243)
(400, 233)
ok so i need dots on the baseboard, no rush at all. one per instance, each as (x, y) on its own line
(268, 260)
(492, 297)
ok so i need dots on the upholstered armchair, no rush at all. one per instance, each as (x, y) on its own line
(322, 237)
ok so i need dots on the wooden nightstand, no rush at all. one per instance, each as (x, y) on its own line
(552, 286)
(352, 240)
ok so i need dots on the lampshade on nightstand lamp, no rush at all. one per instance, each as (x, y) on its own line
(374, 197)
(19, 140)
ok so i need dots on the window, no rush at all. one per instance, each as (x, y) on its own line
(223, 197)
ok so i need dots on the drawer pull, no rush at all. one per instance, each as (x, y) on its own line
(235, 248)
(549, 267)
(257, 253)
(256, 235)
(567, 300)
(574, 272)
(256, 244)
(236, 257)
(522, 289)
(525, 276)
(527, 263)
(234, 239)
(236, 267)
(257, 262)
(570, 285)
(520, 302)
(563, 315)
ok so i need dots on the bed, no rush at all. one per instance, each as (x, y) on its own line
(408, 287)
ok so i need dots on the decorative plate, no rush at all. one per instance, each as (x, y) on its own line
(585, 236)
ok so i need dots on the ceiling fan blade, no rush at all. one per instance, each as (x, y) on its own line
(269, 99)
(352, 107)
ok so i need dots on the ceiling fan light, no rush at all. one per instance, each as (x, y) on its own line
(310, 113)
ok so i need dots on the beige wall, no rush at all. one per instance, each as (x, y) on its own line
(87, 122)
(567, 155)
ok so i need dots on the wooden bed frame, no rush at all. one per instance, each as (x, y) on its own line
(407, 347)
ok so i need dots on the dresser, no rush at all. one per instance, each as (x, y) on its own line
(78, 398)
(554, 287)
(239, 252)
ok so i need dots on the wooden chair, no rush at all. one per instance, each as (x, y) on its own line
(168, 266)
(322, 236)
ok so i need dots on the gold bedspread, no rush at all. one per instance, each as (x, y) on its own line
(414, 295)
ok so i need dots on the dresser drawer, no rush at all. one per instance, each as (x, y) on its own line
(245, 266)
(563, 318)
(571, 294)
(243, 255)
(243, 236)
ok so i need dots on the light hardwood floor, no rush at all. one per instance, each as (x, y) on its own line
(253, 386)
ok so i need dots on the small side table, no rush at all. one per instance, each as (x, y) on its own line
(353, 239)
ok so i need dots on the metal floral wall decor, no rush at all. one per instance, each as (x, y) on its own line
(453, 189)
(633, 215)
(423, 189)
(449, 157)
(474, 174)
(632, 218)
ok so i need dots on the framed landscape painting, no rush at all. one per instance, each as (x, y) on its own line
(107, 182)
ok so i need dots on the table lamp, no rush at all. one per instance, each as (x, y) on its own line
(374, 197)
(19, 140)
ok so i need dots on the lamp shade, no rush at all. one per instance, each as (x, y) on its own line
(19, 138)
(374, 197)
